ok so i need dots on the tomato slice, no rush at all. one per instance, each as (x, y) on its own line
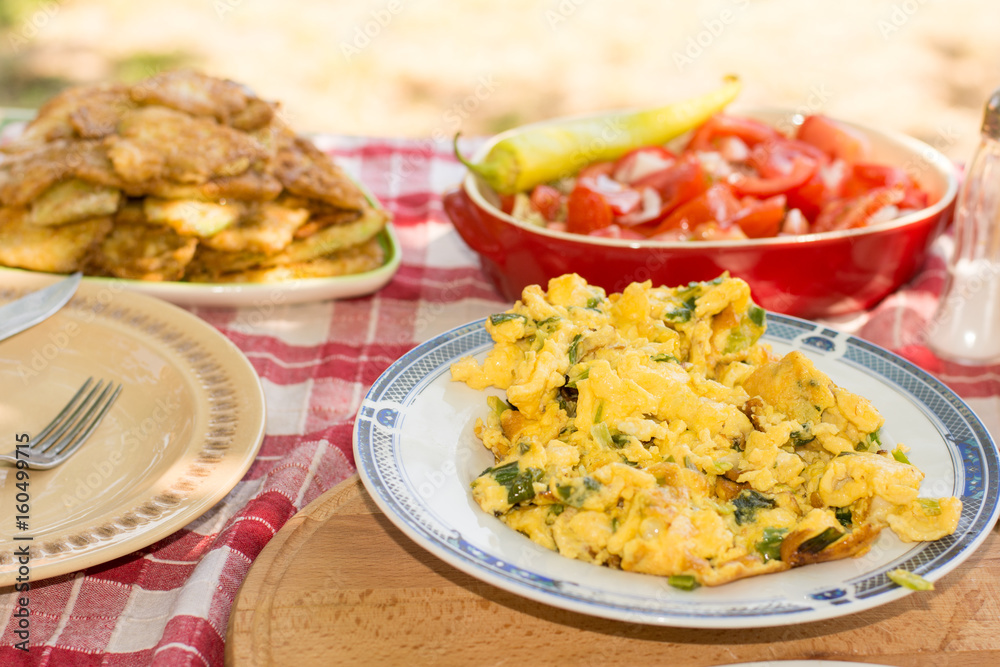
(547, 201)
(760, 219)
(857, 211)
(751, 132)
(587, 211)
(507, 203)
(756, 186)
(716, 204)
(915, 198)
(835, 139)
(777, 158)
(808, 150)
(782, 167)
(641, 162)
(622, 199)
(677, 184)
(822, 187)
(866, 176)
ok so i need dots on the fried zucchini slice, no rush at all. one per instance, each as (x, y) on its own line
(307, 171)
(325, 241)
(268, 229)
(97, 115)
(27, 175)
(156, 143)
(190, 217)
(331, 239)
(256, 114)
(192, 93)
(366, 256)
(72, 200)
(251, 185)
(144, 252)
(61, 249)
(69, 114)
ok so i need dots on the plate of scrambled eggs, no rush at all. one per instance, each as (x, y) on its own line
(677, 456)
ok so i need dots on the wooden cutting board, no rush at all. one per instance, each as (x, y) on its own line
(340, 584)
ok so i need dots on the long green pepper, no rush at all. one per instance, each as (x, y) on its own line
(556, 150)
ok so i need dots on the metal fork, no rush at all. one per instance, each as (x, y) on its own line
(70, 428)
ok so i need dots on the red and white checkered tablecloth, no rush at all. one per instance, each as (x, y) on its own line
(168, 604)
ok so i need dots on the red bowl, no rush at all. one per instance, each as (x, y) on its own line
(813, 275)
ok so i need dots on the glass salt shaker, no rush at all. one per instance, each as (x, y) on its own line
(966, 326)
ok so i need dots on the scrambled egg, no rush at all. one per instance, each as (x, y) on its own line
(650, 431)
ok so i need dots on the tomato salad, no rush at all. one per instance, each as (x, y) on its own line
(737, 178)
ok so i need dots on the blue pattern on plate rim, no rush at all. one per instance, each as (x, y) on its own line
(820, 343)
(973, 451)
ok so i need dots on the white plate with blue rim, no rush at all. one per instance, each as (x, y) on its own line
(416, 453)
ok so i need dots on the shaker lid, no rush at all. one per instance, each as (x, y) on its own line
(991, 116)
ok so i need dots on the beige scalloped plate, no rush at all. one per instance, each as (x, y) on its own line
(183, 432)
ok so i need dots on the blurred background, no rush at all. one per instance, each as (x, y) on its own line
(431, 68)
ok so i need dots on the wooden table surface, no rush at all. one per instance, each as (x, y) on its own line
(340, 584)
